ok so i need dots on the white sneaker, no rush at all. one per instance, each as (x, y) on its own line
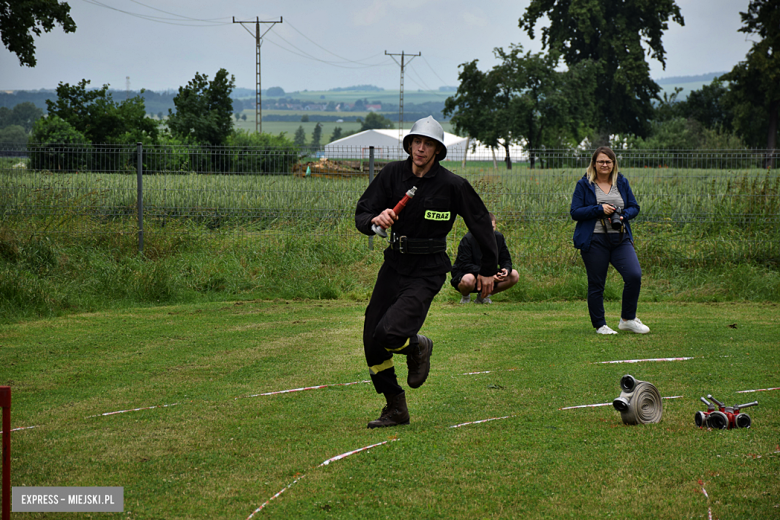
(634, 326)
(486, 300)
(465, 299)
(605, 330)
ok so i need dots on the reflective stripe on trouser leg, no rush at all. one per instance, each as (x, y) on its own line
(374, 370)
(396, 312)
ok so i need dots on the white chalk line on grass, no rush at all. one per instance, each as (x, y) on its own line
(709, 509)
(20, 428)
(643, 360)
(608, 404)
(332, 459)
(482, 421)
(133, 410)
(347, 454)
(487, 372)
(759, 390)
(302, 389)
(256, 395)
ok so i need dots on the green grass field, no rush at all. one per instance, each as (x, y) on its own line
(216, 452)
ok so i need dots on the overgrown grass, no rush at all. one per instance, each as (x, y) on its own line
(68, 241)
(217, 453)
(697, 200)
(53, 274)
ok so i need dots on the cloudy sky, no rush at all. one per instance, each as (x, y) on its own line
(161, 44)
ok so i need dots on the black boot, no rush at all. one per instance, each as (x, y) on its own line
(394, 413)
(419, 361)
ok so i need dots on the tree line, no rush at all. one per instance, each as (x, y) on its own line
(605, 94)
(591, 85)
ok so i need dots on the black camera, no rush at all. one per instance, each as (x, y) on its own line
(614, 219)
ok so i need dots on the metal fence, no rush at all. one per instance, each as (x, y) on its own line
(124, 188)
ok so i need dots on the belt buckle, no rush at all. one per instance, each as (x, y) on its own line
(401, 244)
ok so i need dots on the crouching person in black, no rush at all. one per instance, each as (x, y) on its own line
(469, 261)
(416, 262)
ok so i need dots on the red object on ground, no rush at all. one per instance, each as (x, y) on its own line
(5, 404)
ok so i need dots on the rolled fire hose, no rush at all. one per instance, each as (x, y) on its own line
(639, 402)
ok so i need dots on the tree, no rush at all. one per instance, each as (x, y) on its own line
(259, 153)
(23, 115)
(46, 153)
(204, 109)
(300, 137)
(336, 135)
(95, 115)
(316, 136)
(521, 100)
(275, 92)
(19, 21)
(707, 106)
(305, 118)
(754, 90)
(13, 135)
(610, 34)
(54, 129)
(375, 120)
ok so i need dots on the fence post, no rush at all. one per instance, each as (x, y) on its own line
(140, 185)
(5, 404)
(370, 180)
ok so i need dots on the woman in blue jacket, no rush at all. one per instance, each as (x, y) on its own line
(604, 239)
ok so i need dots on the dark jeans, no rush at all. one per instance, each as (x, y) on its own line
(394, 316)
(608, 249)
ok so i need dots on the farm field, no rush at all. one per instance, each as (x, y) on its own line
(275, 127)
(289, 127)
(186, 407)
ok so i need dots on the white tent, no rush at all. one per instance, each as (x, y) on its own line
(479, 152)
(387, 146)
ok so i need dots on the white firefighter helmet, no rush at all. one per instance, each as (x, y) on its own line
(427, 127)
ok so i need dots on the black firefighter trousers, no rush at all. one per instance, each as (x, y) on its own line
(394, 316)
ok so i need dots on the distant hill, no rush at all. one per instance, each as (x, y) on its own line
(701, 78)
(158, 102)
(155, 102)
(363, 88)
(686, 83)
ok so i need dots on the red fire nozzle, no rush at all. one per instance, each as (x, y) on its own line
(379, 230)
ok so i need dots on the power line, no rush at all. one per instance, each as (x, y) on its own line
(302, 53)
(444, 83)
(159, 19)
(359, 62)
(419, 77)
(180, 16)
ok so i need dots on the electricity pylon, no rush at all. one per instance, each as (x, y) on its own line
(403, 55)
(258, 43)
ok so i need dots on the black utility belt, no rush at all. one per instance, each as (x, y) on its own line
(418, 246)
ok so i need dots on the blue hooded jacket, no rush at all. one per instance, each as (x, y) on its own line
(586, 211)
